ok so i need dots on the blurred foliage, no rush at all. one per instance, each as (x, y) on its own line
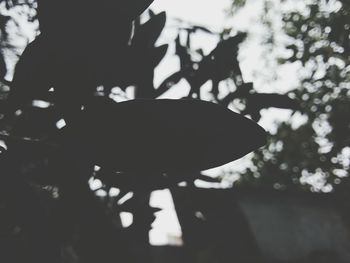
(315, 154)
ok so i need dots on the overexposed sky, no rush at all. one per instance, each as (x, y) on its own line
(204, 12)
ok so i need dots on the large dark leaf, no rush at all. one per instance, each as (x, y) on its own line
(162, 135)
(82, 22)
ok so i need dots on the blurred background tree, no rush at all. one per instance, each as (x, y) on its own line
(310, 150)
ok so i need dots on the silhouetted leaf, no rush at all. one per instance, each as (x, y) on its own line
(151, 13)
(221, 61)
(3, 67)
(32, 75)
(185, 58)
(148, 33)
(3, 22)
(202, 28)
(220, 64)
(259, 101)
(158, 54)
(176, 132)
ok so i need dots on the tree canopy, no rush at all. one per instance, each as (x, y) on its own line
(314, 155)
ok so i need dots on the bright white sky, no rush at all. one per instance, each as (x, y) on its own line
(204, 12)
